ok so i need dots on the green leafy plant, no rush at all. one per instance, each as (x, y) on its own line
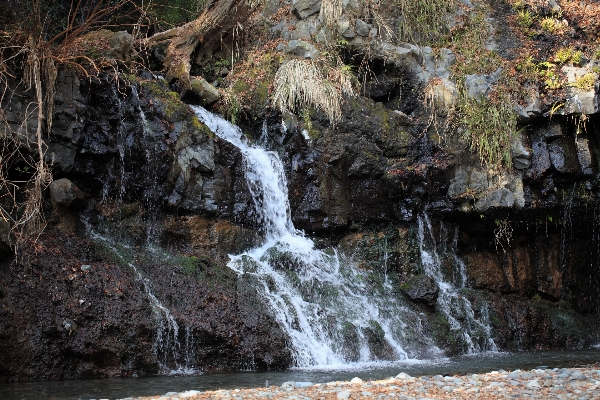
(524, 19)
(489, 128)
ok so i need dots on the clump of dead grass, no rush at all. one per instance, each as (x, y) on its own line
(301, 84)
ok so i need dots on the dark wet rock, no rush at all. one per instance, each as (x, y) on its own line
(584, 155)
(6, 240)
(484, 271)
(378, 346)
(563, 155)
(540, 158)
(421, 288)
(98, 322)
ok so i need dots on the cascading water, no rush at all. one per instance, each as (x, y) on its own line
(167, 345)
(333, 312)
(475, 334)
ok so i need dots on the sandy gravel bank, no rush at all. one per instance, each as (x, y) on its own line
(558, 383)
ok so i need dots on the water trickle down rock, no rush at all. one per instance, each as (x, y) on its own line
(474, 334)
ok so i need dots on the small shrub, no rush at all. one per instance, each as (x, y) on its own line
(553, 82)
(568, 54)
(424, 20)
(490, 127)
(525, 19)
(585, 82)
(552, 25)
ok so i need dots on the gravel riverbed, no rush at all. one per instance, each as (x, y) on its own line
(557, 383)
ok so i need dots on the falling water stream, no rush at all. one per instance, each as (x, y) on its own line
(334, 313)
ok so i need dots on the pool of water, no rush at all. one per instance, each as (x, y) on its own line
(119, 388)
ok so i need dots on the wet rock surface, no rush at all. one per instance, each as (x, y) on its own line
(421, 288)
(89, 315)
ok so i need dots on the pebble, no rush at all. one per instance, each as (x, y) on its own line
(575, 383)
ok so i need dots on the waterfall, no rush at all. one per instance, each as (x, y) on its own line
(333, 312)
(475, 334)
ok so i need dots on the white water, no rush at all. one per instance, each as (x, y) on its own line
(334, 313)
(474, 333)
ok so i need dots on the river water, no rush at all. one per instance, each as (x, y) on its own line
(120, 388)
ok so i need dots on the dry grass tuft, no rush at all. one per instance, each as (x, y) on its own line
(300, 84)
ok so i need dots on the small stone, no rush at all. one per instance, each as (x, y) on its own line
(302, 385)
(288, 384)
(362, 28)
(356, 380)
(578, 376)
(403, 375)
(188, 393)
(306, 8)
(85, 267)
(63, 192)
(343, 395)
(533, 384)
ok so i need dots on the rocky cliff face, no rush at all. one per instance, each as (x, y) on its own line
(149, 175)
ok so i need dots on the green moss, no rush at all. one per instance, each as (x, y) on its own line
(240, 86)
(173, 108)
(202, 128)
(189, 264)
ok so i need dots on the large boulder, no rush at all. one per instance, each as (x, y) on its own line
(63, 192)
(105, 44)
(302, 49)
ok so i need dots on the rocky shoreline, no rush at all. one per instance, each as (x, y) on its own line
(558, 383)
